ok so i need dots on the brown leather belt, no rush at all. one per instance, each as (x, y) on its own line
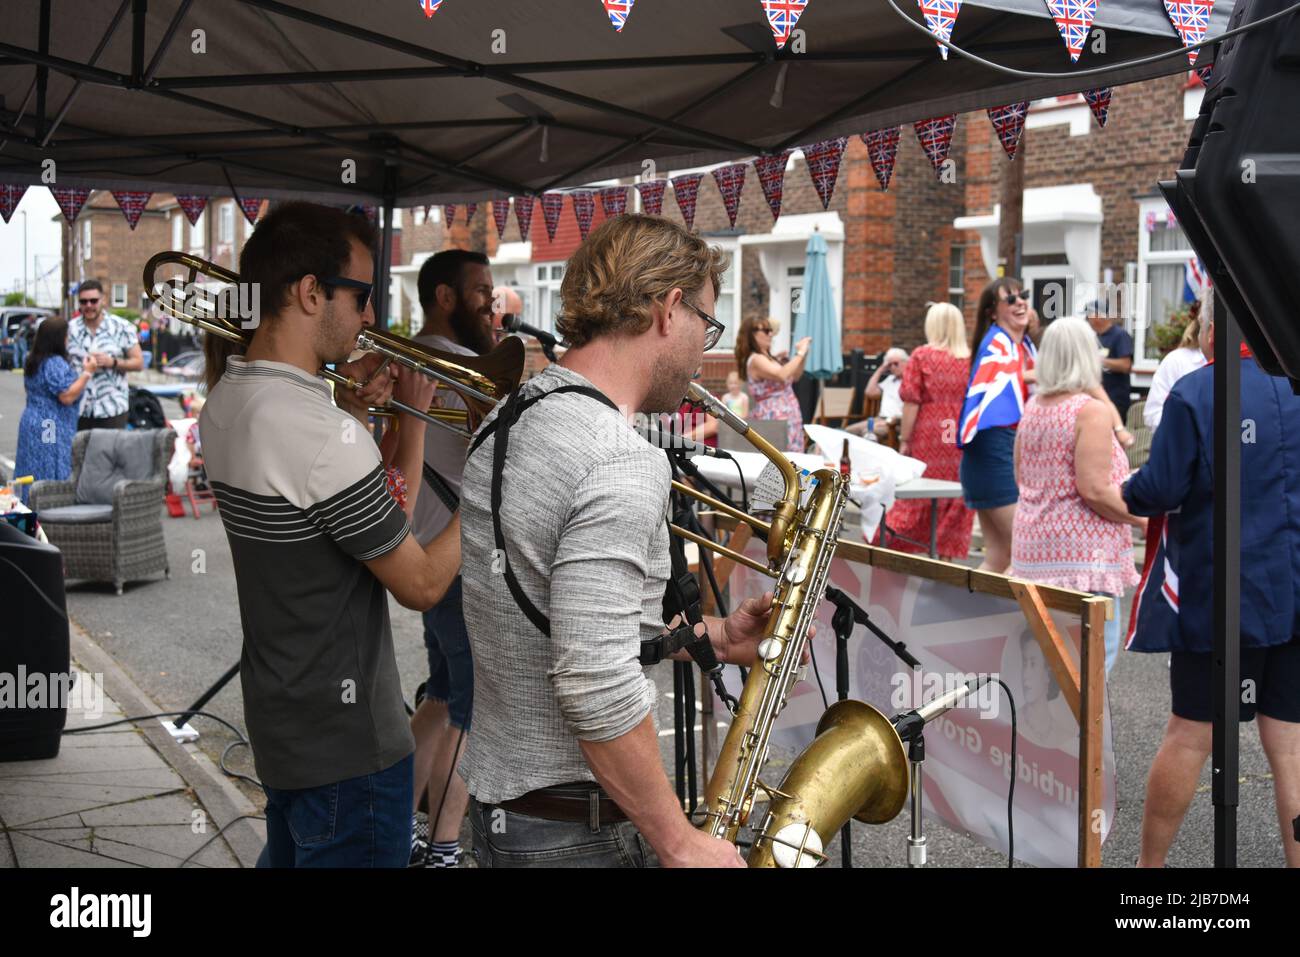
(581, 802)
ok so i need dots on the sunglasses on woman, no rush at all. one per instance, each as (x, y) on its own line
(1010, 298)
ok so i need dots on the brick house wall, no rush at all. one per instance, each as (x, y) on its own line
(117, 253)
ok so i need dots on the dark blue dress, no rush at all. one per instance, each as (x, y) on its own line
(46, 429)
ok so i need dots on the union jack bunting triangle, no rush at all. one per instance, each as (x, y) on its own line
(70, 201)
(470, 210)
(687, 190)
(552, 204)
(940, 16)
(613, 200)
(731, 181)
(1191, 18)
(936, 136)
(823, 161)
(252, 207)
(771, 176)
(524, 206)
(449, 214)
(500, 215)
(882, 150)
(430, 7)
(584, 209)
(782, 15)
(1205, 72)
(1009, 123)
(132, 203)
(1074, 20)
(618, 11)
(192, 207)
(10, 196)
(652, 196)
(1099, 103)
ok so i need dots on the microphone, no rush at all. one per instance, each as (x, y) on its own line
(676, 442)
(512, 323)
(910, 724)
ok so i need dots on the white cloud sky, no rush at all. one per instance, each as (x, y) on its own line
(43, 254)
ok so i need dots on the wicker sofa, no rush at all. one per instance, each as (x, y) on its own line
(107, 518)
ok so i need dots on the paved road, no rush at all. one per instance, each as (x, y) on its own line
(176, 637)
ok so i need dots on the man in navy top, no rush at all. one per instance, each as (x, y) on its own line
(1179, 476)
(1117, 357)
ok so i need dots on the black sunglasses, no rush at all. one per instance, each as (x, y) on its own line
(87, 302)
(714, 334)
(363, 289)
(1010, 298)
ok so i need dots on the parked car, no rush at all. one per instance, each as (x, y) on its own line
(188, 366)
(16, 321)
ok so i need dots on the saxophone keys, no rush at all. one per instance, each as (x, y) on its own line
(769, 649)
(797, 845)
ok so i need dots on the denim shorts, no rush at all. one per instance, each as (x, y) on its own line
(361, 822)
(451, 667)
(988, 473)
(507, 839)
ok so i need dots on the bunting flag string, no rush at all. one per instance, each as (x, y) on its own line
(430, 7)
(823, 161)
(552, 204)
(449, 214)
(132, 203)
(11, 195)
(470, 210)
(70, 201)
(936, 137)
(192, 207)
(940, 17)
(501, 215)
(1074, 20)
(524, 206)
(731, 181)
(771, 176)
(1009, 124)
(613, 200)
(652, 196)
(782, 15)
(584, 209)
(618, 11)
(882, 150)
(371, 212)
(1099, 103)
(1191, 18)
(252, 207)
(687, 189)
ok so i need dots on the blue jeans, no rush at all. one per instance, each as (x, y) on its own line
(361, 822)
(505, 839)
(451, 667)
(1113, 631)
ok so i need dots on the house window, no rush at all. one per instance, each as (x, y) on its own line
(198, 232)
(1163, 257)
(546, 304)
(727, 310)
(85, 238)
(226, 224)
(417, 216)
(957, 276)
(119, 294)
(178, 229)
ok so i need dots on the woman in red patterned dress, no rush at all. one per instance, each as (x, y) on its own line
(933, 390)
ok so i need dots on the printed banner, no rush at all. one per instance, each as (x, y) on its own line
(771, 177)
(613, 200)
(10, 196)
(823, 161)
(430, 7)
(782, 15)
(618, 11)
(584, 209)
(1009, 124)
(552, 204)
(132, 204)
(1191, 18)
(936, 137)
(193, 207)
(882, 150)
(501, 215)
(1074, 20)
(252, 207)
(731, 181)
(652, 196)
(940, 16)
(470, 210)
(524, 206)
(70, 201)
(1099, 103)
(687, 189)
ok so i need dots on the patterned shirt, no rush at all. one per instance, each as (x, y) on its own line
(106, 394)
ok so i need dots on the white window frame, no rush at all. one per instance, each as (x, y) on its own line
(1146, 259)
(178, 230)
(958, 291)
(86, 238)
(199, 233)
(118, 298)
(546, 293)
(731, 245)
(226, 223)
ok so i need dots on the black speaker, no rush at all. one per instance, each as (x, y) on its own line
(33, 642)
(1237, 192)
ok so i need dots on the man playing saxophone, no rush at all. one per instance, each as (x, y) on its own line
(566, 565)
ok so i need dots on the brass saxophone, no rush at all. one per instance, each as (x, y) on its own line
(856, 766)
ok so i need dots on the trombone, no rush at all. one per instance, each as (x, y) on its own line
(481, 381)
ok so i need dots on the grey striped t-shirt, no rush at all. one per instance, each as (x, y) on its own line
(584, 504)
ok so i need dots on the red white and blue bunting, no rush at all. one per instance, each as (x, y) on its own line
(936, 138)
(613, 200)
(132, 204)
(771, 177)
(782, 15)
(524, 206)
(584, 209)
(70, 202)
(501, 215)
(1191, 18)
(11, 195)
(882, 150)
(1009, 123)
(652, 196)
(823, 161)
(618, 11)
(730, 180)
(252, 207)
(686, 189)
(430, 7)
(552, 205)
(1099, 103)
(192, 207)
(940, 16)
(1074, 20)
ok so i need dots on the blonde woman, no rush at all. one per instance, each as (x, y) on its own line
(933, 389)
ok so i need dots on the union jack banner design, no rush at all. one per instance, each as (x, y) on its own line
(940, 16)
(70, 201)
(771, 176)
(524, 206)
(782, 15)
(252, 207)
(730, 180)
(449, 214)
(430, 7)
(823, 161)
(1151, 221)
(687, 190)
(618, 11)
(552, 204)
(997, 392)
(652, 196)
(1205, 72)
(132, 203)
(500, 215)
(1099, 103)
(882, 150)
(1191, 18)
(1153, 618)
(613, 200)
(10, 195)
(1009, 123)
(936, 137)
(470, 210)
(192, 207)
(1074, 20)
(584, 209)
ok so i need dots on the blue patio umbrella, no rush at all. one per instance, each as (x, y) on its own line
(819, 318)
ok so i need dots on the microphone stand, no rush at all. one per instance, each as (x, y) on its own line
(849, 613)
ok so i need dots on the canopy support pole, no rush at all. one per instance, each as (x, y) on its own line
(42, 72)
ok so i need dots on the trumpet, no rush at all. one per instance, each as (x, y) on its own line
(229, 313)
